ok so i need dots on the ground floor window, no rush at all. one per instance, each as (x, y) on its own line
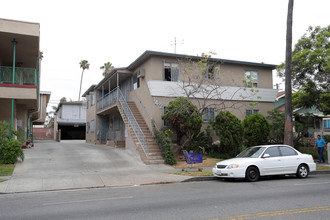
(209, 114)
(92, 126)
(251, 111)
(326, 123)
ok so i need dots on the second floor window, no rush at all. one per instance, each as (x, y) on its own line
(136, 80)
(171, 71)
(251, 79)
(211, 72)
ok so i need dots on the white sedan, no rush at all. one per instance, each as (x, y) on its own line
(266, 160)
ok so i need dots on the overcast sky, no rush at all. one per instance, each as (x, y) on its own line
(120, 31)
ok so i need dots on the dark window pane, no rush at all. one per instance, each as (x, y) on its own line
(273, 152)
(286, 151)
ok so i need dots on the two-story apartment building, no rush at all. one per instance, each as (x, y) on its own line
(20, 98)
(123, 107)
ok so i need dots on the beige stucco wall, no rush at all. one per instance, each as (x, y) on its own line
(91, 115)
(21, 115)
(230, 74)
(152, 107)
(20, 27)
(18, 93)
(5, 110)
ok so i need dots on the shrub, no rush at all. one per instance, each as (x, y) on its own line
(184, 118)
(277, 119)
(166, 145)
(230, 132)
(256, 130)
(10, 149)
(327, 138)
(200, 143)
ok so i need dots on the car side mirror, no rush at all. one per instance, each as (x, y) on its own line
(266, 156)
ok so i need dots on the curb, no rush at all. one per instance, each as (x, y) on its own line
(210, 178)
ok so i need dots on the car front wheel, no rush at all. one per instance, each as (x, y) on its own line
(252, 174)
(302, 171)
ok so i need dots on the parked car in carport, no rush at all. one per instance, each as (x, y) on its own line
(266, 160)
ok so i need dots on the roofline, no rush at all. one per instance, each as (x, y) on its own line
(149, 53)
(68, 103)
(113, 71)
(88, 90)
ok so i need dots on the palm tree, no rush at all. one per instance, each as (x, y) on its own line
(288, 127)
(84, 65)
(107, 68)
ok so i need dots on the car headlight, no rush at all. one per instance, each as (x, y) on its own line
(231, 166)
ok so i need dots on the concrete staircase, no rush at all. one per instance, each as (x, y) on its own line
(153, 151)
(121, 144)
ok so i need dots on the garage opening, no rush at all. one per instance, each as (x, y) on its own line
(72, 132)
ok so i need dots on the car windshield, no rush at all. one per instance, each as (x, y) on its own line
(252, 152)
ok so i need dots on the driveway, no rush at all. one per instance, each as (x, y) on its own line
(75, 164)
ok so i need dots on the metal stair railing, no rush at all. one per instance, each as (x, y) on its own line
(133, 123)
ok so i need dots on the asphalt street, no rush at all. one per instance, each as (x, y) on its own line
(269, 198)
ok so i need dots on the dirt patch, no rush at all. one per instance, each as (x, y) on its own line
(208, 162)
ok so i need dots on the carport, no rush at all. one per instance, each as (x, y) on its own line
(72, 131)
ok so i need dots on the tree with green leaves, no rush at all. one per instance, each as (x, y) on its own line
(107, 67)
(84, 65)
(256, 130)
(277, 119)
(311, 69)
(184, 118)
(201, 81)
(230, 132)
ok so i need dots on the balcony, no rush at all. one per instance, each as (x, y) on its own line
(23, 76)
(25, 86)
(107, 100)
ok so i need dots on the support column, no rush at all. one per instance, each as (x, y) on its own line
(12, 100)
(117, 87)
(102, 96)
(109, 92)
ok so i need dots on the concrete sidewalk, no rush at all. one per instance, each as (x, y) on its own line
(75, 164)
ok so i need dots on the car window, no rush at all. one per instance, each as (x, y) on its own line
(286, 151)
(273, 152)
(253, 152)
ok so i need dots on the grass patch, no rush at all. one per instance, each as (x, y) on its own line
(6, 169)
(2, 180)
(193, 173)
(320, 167)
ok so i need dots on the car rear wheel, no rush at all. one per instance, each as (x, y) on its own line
(252, 174)
(302, 171)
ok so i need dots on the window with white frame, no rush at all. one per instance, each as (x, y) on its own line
(209, 114)
(326, 123)
(87, 127)
(171, 71)
(136, 80)
(92, 95)
(92, 126)
(251, 111)
(211, 72)
(251, 79)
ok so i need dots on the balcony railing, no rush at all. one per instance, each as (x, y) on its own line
(107, 99)
(23, 76)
